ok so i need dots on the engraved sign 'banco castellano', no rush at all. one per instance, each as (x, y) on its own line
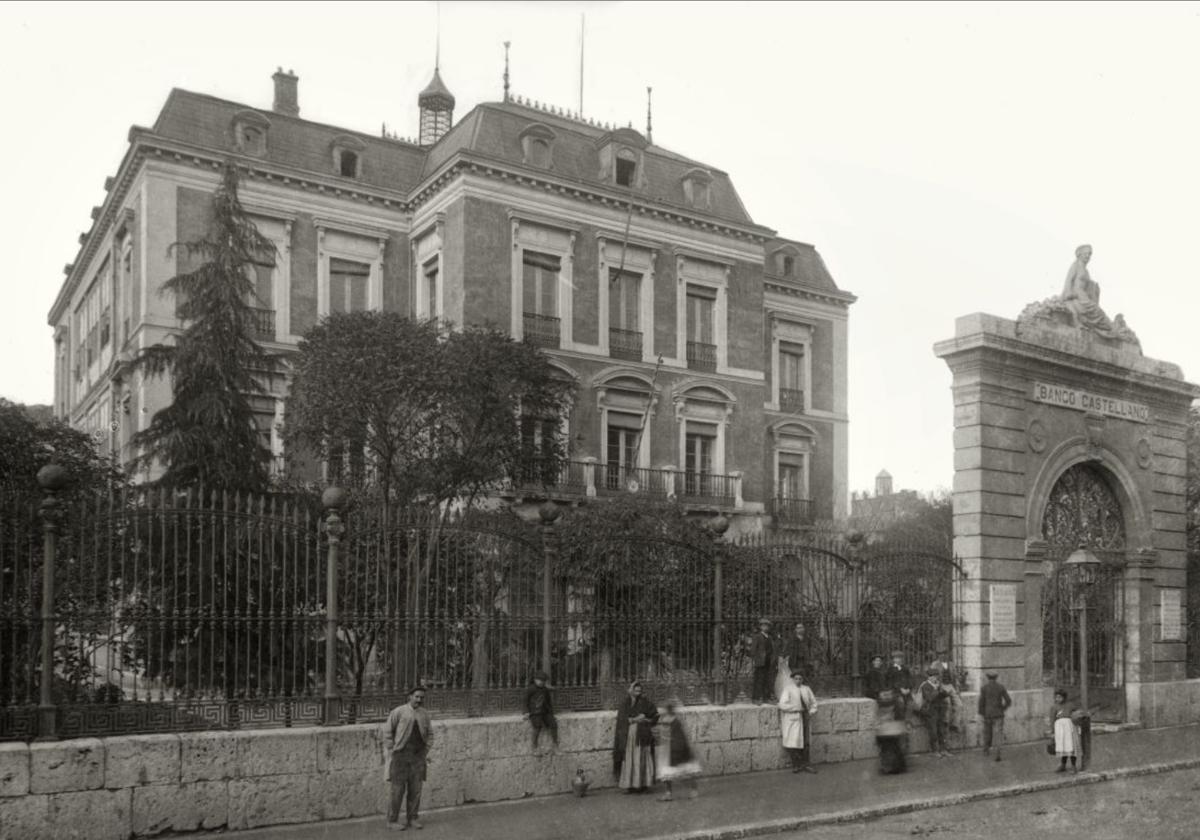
(1086, 401)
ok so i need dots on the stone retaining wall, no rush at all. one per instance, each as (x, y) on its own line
(142, 785)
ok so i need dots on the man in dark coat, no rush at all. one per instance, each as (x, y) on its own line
(876, 680)
(798, 652)
(993, 703)
(763, 658)
(900, 681)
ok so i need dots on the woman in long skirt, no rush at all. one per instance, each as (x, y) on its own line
(1066, 732)
(633, 742)
(677, 761)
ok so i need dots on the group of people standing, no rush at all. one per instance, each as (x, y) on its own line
(935, 701)
(641, 758)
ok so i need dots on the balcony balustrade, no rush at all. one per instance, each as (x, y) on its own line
(588, 478)
(625, 344)
(790, 513)
(701, 356)
(263, 323)
(791, 399)
(543, 330)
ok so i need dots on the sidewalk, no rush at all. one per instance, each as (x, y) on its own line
(765, 803)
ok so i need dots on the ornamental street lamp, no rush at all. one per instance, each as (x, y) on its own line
(1083, 565)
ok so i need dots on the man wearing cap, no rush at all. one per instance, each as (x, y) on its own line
(764, 659)
(993, 703)
(539, 708)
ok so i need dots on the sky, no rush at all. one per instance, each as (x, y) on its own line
(944, 158)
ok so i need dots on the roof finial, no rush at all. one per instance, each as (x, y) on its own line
(506, 45)
(649, 125)
(437, 48)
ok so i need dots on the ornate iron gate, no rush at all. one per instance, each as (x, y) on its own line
(1083, 511)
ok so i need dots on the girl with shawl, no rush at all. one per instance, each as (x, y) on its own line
(633, 742)
(795, 705)
(1065, 731)
(677, 761)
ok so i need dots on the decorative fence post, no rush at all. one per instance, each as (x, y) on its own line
(549, 514)
(52, 478)
(716, 529)
(332, 500)
(854, 541)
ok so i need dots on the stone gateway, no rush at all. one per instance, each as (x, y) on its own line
(1066, 436)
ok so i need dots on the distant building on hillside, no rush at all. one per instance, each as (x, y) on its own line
(885, 507)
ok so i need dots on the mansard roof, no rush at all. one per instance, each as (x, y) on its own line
(204, 120)
(493, 129)
(809, 268)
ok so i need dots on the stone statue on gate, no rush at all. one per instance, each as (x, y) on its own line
(1079, 306)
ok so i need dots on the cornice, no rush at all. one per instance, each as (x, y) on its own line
(836, 297)
(475, 163)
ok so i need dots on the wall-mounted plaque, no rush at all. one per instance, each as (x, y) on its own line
(1171, 615)
(1004, 612)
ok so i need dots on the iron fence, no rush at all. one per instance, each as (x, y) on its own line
(198, 610)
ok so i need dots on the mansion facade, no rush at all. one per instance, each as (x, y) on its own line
(709, 353)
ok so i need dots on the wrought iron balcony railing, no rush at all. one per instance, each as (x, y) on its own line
(552, 474)
(791, 399)
(701, 487)
(625, 344)
(615, 478)
(542, 330)
(790, 512)
(701, 356)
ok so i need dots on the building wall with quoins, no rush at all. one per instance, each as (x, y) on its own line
(710, 354)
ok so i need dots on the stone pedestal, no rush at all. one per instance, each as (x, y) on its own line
(1031, 401)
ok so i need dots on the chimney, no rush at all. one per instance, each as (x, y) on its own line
(286, 101)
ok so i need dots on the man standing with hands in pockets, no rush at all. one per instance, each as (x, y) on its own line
(410, 734)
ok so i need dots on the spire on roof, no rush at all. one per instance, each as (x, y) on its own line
(436, 104)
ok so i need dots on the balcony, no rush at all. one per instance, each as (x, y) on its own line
(614, 479)
(791, 400)
(701, 356)
(551, 476)
(262, 323)
(707, 489)
(625, 344)
(542, 330)
(790, 513)
(548, 478)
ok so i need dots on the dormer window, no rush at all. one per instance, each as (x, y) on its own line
(789, 265)
(626, 170)
(621, 158)
(347, 156)
(250, 133)
(783, 262)
(537, 143)
(697, 188)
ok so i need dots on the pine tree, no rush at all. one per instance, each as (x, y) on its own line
(207, 435)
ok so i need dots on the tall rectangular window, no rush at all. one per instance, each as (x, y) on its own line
(621, 453)
(701, 303)
(430, 271)
(791, 477)
(699, 443)
(791, 377)
(348, 282)
(540, 276)
(624, 300)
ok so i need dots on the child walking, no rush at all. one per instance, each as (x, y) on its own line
(679, 761)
